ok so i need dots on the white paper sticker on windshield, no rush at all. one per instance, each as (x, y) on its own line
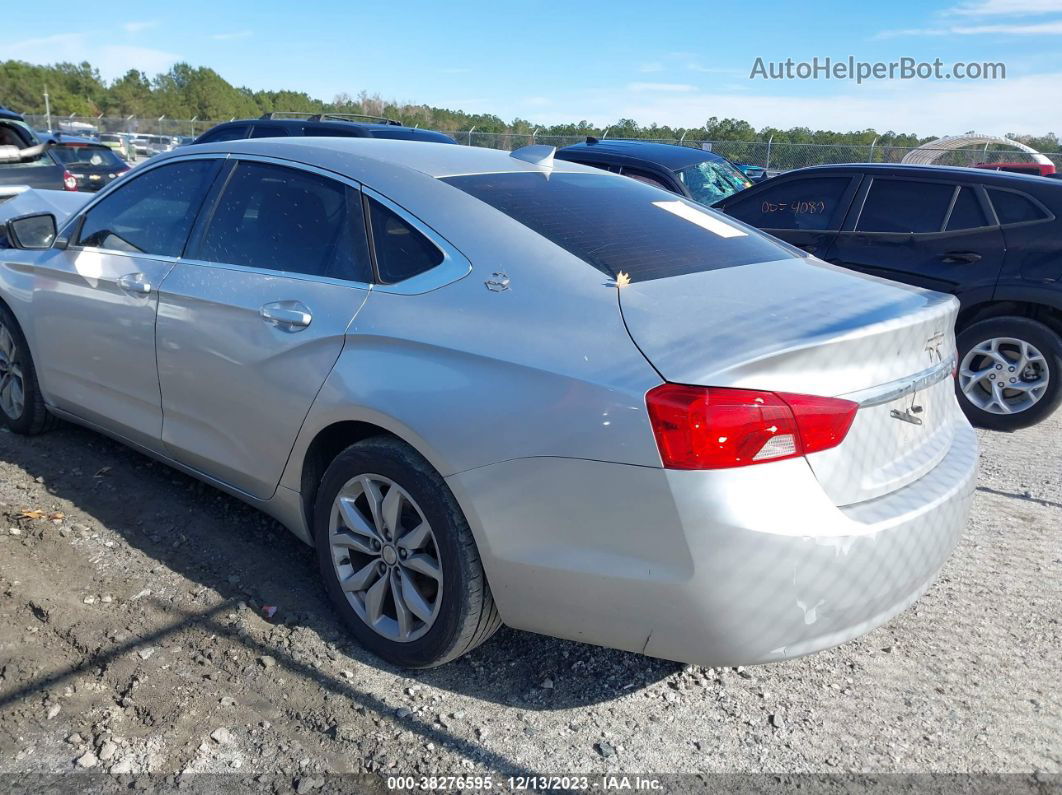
(702, 219)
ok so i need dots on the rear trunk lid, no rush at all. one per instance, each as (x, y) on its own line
(801, 325)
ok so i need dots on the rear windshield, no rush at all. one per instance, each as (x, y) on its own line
(618, 224)
(87, 156)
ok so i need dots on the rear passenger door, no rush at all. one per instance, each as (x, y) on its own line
(938, 234)
(807, 212)
(253, 318)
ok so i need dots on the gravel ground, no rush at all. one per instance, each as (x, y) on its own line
(132, 641)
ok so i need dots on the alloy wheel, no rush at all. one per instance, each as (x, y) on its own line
(1004, 375)
(12, 386)
(386, 558)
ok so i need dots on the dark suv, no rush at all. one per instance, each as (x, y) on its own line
(696, 174)
(278, 125)
(991, 238)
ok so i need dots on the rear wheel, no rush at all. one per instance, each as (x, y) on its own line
(398, 558)
(1010, 372)
(22, 407)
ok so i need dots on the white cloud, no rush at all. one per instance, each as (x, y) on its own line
(984, 8)
(136, 27)
(925, 108)
(240, 34)
(113, 60)
(669, 88)
(648, 68)
(1030, 29)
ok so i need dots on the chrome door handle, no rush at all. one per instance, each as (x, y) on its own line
(286, 315)
(135, 284)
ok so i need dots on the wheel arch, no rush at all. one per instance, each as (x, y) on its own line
(1049, 315)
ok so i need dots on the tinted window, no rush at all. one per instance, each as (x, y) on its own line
(1013, 208)
(967, 212)
(814, 204)
(288, 220)
(87, 156)
(151, 213)
(617, 224)
(896, 205)
(225, 134)
(268, 131)
(641, 176)
(317, 132)
(401, 251)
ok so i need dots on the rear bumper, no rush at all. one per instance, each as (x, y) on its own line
(728, 567)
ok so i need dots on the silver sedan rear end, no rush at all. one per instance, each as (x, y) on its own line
(492, 388)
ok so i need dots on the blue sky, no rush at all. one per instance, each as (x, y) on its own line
(668, 62)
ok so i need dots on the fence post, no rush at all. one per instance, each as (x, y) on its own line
(767, 165)
(872, 149)
(470, 134)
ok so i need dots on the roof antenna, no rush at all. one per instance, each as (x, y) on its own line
(536, 154)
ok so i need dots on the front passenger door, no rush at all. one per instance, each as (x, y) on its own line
(94, 302)
(252, 321)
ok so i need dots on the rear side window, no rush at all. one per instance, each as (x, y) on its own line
(151, 213)
(618, 224)
(814, 204)
(967, 212)
(284, 219)
(1014, 208)
(401, 251)
(331, 132)
(268, 131)
(899, 205)
(237, 133)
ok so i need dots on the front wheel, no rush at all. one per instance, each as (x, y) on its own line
(22, 407)
(1010, 372)
(398, 558)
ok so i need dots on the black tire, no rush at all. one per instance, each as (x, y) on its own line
(467, 616)
(1038, 335)
(34, 417)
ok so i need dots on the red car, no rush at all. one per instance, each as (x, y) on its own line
(1040, 169)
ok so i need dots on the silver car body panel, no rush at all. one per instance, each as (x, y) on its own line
(520, 373)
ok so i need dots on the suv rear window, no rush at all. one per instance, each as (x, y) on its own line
(617, 224)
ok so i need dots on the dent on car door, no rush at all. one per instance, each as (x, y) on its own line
(934, 234)
(252, 321)
(94, 303)
(806, 212)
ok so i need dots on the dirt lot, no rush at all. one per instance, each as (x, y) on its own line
(132, 641)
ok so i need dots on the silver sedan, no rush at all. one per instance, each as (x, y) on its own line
(491, 387)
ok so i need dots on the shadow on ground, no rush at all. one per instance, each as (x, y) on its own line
(218, 542)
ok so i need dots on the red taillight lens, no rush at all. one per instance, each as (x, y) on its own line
(69, 181)
(713, 427)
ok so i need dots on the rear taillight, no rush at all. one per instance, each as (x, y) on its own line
(69, 181)
(700, 427)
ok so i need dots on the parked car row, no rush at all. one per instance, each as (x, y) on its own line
(492, 387)
(57, 162)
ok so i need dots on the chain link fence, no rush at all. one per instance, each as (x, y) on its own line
(774, 156)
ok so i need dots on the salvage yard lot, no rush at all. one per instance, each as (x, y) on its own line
(132, 640)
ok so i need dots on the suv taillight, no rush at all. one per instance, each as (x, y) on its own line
(69, 181)
(700, 427)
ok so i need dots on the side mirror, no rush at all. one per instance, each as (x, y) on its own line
(35, 231)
